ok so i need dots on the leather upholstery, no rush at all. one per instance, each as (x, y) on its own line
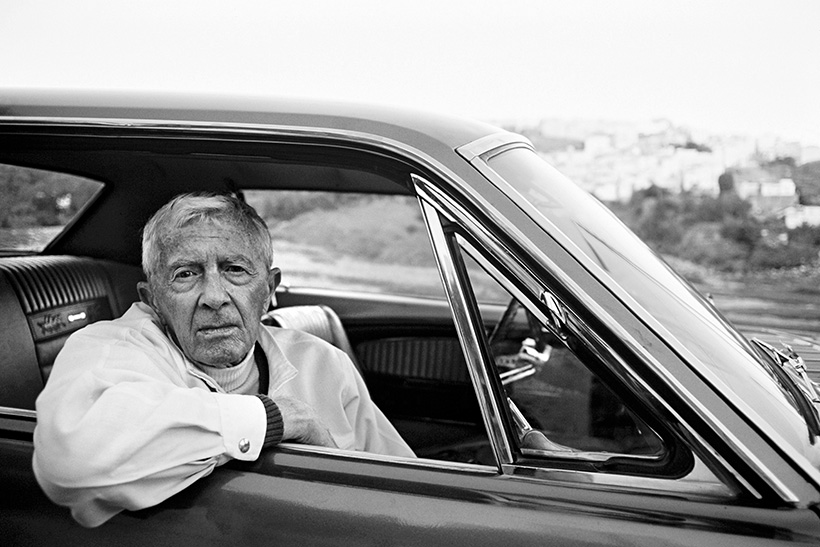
(439, 359)
(320, 321)
(44, 299)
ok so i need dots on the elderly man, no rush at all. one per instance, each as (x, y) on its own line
(138, 408)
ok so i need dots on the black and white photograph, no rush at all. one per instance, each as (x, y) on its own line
(410, 273)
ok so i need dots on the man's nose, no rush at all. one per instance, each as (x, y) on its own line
(214, 294)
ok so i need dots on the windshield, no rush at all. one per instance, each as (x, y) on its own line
(591, 232)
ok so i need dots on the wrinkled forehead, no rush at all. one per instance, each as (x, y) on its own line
(199, 240)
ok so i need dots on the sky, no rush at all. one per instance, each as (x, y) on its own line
(726, 66)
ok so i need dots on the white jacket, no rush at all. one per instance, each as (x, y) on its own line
(125, 421)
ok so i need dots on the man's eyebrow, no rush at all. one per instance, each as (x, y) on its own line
(236, 257)
(244, 259)
(179, 263)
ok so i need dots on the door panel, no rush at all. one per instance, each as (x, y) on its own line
(318, 499)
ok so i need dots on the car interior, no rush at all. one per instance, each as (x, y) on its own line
(405, 347)
(404, 342)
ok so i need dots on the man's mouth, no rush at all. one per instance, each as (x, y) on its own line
(217, 330)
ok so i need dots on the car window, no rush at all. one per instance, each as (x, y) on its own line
(349, 241)
(415, 370)
(485, 288)
(38, 205)
(558, 405)
(695, 327)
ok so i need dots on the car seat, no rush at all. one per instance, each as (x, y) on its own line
(319, 321)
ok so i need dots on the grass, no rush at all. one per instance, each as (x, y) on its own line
(785, 298)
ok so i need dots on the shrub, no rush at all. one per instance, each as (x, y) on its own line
(784, 256)
(384, 230)
(705, 245)
(805, 235)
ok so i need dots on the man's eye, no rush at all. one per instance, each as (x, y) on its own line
(183, 274)
(236, 269)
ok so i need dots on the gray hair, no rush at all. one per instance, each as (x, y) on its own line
(187, 209)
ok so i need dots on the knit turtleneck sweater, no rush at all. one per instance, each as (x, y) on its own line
(242, 378)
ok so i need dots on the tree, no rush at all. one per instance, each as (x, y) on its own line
(656, 214)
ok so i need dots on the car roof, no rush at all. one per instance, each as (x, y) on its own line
(402, 124)
(427, 137)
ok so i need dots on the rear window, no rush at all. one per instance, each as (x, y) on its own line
(37, 205)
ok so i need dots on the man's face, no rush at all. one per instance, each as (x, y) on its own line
(211, 288)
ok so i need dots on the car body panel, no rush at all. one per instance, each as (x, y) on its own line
(358, 503)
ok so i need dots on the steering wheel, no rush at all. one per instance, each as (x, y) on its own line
(501, 330)
(518, 358)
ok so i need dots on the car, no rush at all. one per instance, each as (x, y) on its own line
(558, 381)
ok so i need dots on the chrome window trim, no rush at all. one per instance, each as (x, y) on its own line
(741, 448)
(495, 143)
(244, 128)
(426, 463)
(466, 330)
(11, 412)
(235, 128)
(155, 124)
(698, 485)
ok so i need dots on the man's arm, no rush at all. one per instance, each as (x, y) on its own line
(372, 428)
(300, 422)
(329, 383)
(116, 431)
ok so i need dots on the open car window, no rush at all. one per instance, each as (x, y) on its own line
(349, 241)
(372, 252)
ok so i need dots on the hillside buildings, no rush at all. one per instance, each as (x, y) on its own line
(612, 160)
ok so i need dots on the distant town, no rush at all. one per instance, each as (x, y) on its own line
(614, 160)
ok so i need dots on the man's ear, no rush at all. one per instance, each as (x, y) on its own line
(274, 278)
(146, 295)
(147, 298)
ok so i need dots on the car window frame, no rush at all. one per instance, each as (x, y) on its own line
(565, 328)
(428, 288)
(19, 424)
(702, 481)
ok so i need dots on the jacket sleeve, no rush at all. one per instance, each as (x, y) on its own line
(114, 431)
(373, 431)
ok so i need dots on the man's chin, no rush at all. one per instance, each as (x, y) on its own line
(219, 356)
